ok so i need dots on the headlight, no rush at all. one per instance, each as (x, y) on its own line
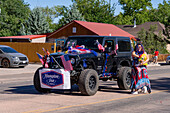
(73, 61)
(14, 58)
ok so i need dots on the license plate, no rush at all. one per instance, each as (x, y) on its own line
(24, 61)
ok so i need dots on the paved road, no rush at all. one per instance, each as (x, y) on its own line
(17, 95)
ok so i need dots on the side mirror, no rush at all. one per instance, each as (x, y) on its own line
(108, 49)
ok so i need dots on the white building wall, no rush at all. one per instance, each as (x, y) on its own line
(39, 40)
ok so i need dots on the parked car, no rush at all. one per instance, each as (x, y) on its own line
(9, 57)
(168, 60)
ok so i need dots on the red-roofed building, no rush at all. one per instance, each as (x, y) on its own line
(87, 28)
(25, 38)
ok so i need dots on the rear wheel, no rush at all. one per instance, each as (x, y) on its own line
(37, 83)
(88, 82)
(5, 63)
(124, 79)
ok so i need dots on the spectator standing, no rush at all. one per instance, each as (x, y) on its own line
(156, 56)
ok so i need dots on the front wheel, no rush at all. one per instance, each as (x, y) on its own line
(88, 82)
(124, 79)
(5, 63)
(37, 83)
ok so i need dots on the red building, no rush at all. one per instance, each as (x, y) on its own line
(87, 28)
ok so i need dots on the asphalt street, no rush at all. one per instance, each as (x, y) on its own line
(17, 95)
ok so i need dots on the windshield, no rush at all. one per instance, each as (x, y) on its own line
(88, 42)
(8, 50)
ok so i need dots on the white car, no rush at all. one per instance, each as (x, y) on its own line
(168, 60)
(11, 58)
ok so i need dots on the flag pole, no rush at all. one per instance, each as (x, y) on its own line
(56, 62)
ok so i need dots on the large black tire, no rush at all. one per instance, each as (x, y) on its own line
(5, 63)
(88, 82)
(124, 79)
(37, 83)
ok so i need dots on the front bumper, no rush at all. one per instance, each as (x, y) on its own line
(16, 63)
(167, 61)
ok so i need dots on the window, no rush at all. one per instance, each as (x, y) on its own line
(109, 43)
(88, 42)
(8, 50)
(124, 45)
(74, 29)
(1, 52)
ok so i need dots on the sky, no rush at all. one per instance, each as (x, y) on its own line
(51, 3)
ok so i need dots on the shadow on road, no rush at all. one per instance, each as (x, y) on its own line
(29, 89)
(161, 84)
(114, 90)
(158, 84)
(164, 64)
(20, 67)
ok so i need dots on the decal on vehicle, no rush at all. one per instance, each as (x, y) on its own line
(54, 78)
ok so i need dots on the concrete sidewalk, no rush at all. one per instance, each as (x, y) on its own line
(30, 68)
(157, 64)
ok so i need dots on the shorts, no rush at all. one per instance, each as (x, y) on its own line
(155, 57)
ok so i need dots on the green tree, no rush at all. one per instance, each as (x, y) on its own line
(70, 15)
(122, 19)
(134, 9)
(162, 14)
(96, 10)
(131, 7)
(36, 23)
(167, 31)
(13, 14)
(151, 41)
(51, 14)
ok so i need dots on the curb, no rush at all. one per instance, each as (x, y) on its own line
(154, 65)
(158, 63)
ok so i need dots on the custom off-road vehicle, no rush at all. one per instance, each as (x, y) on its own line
(88, 68)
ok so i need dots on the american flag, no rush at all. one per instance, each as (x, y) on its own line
(68, 43)
(48, 53)
(66, 62)
(42, 61)
(116, 48)
(100, 46)
(44, 51)
(73, 44)
(79, 50)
